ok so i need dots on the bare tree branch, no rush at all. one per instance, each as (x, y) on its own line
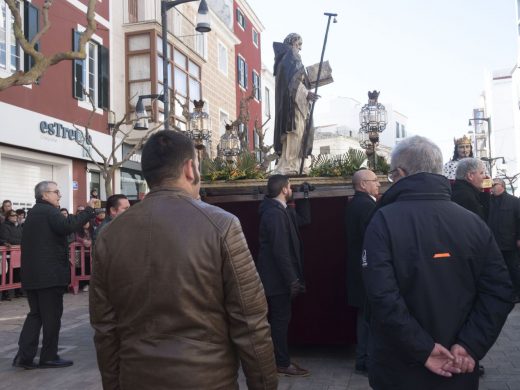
(42, 62)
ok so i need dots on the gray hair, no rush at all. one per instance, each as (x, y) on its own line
(417, 154)
(41, 187)
(291, 38)
(467, 165)
(500, 181)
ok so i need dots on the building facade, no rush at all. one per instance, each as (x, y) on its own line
(44, 123)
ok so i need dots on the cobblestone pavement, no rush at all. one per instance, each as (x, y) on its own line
(331, 368)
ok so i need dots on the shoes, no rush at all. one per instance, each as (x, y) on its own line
(57, 363)
(293, 370)
(26, 364)
(361, 369)
(480, 370)
(5, 297)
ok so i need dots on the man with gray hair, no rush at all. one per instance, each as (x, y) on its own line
(45, 275)
(432, 272)
(467, 189)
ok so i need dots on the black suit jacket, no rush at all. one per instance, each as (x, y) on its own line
(504, 220)
(467, 196)
(280, 257)
(358, 213)
(45, 260)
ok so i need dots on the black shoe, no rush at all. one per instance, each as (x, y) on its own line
(26, 364)
(57, 363)
(480, 370)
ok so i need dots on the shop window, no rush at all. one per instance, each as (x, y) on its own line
(92, 73)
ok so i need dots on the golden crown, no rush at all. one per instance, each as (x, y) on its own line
(462, 141)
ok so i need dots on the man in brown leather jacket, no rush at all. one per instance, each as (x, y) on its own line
(175, 299)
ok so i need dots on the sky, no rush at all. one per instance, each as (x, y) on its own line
(427, 58)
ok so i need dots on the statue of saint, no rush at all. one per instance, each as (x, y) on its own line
(292, 102)
(463, 148)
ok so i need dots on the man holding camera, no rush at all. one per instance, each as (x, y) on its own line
(280, 262)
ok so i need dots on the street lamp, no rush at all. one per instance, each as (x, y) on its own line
(229, 146)
(140, 111)
(372, 119)
(488, 120)
(199, 125)
(203, 26)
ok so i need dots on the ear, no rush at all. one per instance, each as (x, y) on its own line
(187, 170)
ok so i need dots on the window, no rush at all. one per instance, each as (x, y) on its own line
(222, 58)
(242, 72)
(397, 130)
(267, 102)
(256, 85)
(241, 20)
(91, 74)
(223, 120)
(94, 179)
(325, 149)
(242, 129)
(187, 85)
(255, 37)
(403, 131)
(256, 145)
(10, 50)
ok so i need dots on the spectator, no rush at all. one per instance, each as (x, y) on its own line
(438, 288)
(116, 205)
(358, 214)
(100, 217)
(469, 177)
(45, 275)
(504, 221)
(11, 234)
(79, 209)
(6, 206)
(280, 263)
(94, 194)
(21, 214)
(84, 238)
(72, 236)
(203, 307)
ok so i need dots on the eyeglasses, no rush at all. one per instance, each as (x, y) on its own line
(393, 172)
(57, 192)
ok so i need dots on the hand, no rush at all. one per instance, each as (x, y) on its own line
(311, 96)
(441, 362)
(93, 202)
(463, 359)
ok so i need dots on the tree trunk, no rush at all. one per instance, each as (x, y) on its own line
(108, 184)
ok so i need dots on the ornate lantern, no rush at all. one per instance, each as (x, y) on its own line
(199, 125)
(372, 120)
(229, 147)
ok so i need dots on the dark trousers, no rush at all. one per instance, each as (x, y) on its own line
(513, 265)
(362, 331)
(45, 309)
(279, 316)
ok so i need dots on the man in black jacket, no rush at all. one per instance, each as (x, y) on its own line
(45, 275)
(469, 177)
(280, 263)
(504, 221)
(358, 213)
(438, 288)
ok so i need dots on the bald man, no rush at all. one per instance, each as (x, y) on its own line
(358, 213)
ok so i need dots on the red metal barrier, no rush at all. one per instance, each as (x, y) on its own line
(80, 265)
(10, 259)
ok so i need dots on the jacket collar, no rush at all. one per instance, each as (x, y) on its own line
(464, 184)
(169, 189)
(418, 186)
(364, 195)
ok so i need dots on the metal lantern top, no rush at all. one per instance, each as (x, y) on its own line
(372, 117)
(229, 143)
(199, 126)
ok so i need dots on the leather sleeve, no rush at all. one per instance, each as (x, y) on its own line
(246, 308)
(387, 305)
(492, 305)
(103, 319)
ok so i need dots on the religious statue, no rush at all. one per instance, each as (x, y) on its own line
(293, 135)
(463, 148)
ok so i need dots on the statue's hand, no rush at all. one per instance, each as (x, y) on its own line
(311, 96)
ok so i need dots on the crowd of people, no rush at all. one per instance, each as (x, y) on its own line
(176, 300)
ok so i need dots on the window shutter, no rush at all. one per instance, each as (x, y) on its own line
(103, 77)
(259, 90)
(245, 75)
(78, 66)
(31, 28)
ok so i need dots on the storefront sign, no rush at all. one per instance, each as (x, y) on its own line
(58, 130)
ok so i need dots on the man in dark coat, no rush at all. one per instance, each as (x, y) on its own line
(438, 288)
(357, 216)
(504, 221)
(469, 177)
(280, 263)
(45, 275)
